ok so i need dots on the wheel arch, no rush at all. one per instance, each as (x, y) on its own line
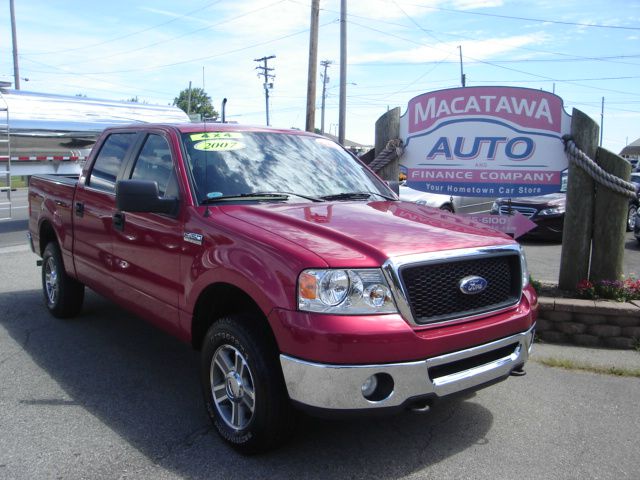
(447, 207)
(219, 300)
(46, 234)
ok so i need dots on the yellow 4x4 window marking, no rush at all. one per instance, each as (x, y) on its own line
(214, 135)
(219, 145)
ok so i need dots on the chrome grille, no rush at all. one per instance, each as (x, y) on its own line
(526, 211)
(433, 292)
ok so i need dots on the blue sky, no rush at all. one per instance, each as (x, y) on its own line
(397, 49)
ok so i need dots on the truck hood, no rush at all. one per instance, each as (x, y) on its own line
(366, 234)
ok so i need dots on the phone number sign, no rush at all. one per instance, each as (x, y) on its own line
(485, 141)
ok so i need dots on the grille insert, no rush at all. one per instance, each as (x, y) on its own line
(472, 362)
(526, 211)
(434, 294)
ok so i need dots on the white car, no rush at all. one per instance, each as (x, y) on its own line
(454, 204)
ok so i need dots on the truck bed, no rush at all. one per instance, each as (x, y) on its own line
(51, 196)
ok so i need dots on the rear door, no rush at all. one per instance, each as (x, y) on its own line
(146, 246)
(93, 207)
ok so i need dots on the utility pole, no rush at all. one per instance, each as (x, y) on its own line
(463, 77)
(14, 38)
(189, 99)
(313, 66)
(602, 121)
(343, 71)
(264, 71)
(325, 80)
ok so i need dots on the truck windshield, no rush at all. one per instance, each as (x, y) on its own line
(239, 165)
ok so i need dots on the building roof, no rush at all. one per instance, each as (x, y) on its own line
(633, 149)
(348, 143)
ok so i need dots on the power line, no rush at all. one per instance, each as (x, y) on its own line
(86, 76)
(543, 77)
(176, 37)
(84, 47)
(208, 57)
(524, 60)
(458, 36)
(527, 19)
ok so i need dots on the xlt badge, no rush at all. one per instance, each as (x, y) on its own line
(194, 238)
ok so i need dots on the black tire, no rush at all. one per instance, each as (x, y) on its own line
(631, 217)
(63, 295)
(447, 207)
(240, 363)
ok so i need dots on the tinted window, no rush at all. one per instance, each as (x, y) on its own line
(107, 165)
(154, 163)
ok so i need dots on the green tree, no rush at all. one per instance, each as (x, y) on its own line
(200, 103)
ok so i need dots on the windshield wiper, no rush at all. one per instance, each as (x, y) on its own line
(355, 196)
(253, 195)
(306, 197)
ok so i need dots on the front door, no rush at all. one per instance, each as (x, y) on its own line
(146, 246)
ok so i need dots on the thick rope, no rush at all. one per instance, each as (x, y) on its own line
(595, 171)
(392, 150)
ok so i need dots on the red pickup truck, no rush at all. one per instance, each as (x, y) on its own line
(296, 271)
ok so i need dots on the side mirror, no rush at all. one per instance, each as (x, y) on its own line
(143, 196)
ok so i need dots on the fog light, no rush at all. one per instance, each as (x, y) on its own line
(377, 387)
(369, 386)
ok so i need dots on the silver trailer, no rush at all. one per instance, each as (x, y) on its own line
(53, 134)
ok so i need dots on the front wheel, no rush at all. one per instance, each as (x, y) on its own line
(447, 207)
(243, 386)
(63, 295)
(631, 217)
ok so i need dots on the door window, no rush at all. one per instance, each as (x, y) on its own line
(107, 165)
(154, 163)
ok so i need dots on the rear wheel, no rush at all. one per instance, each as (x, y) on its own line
(63, 295)
(243, 386)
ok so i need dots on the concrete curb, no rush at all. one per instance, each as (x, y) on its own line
(589, 323)
(604, 358)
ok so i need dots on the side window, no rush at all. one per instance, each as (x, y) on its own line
(154, 163)
(107, 165)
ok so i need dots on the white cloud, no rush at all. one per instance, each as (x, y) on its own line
(476, 4)
(478, 50)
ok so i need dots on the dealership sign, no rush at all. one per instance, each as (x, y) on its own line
(485, 142)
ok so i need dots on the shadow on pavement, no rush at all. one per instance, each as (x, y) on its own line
(143, 384)
(10, 226)
(631, 243)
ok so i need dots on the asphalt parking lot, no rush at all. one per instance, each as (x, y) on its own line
(107, 396)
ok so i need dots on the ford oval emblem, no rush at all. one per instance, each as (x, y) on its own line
(472, 285)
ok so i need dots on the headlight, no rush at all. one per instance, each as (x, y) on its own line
(524, 268)
(557, 210)
(495, 208)
(347, 292)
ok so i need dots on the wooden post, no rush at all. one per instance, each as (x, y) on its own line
(609, 221)
(388, 128)
(578, 220)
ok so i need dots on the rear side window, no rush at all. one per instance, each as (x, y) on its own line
(154, 163)
(107, 165)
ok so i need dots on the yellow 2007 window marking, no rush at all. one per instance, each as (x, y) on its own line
(214, 135)
(218, 145)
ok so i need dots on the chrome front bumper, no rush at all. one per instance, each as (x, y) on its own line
(339, 387)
